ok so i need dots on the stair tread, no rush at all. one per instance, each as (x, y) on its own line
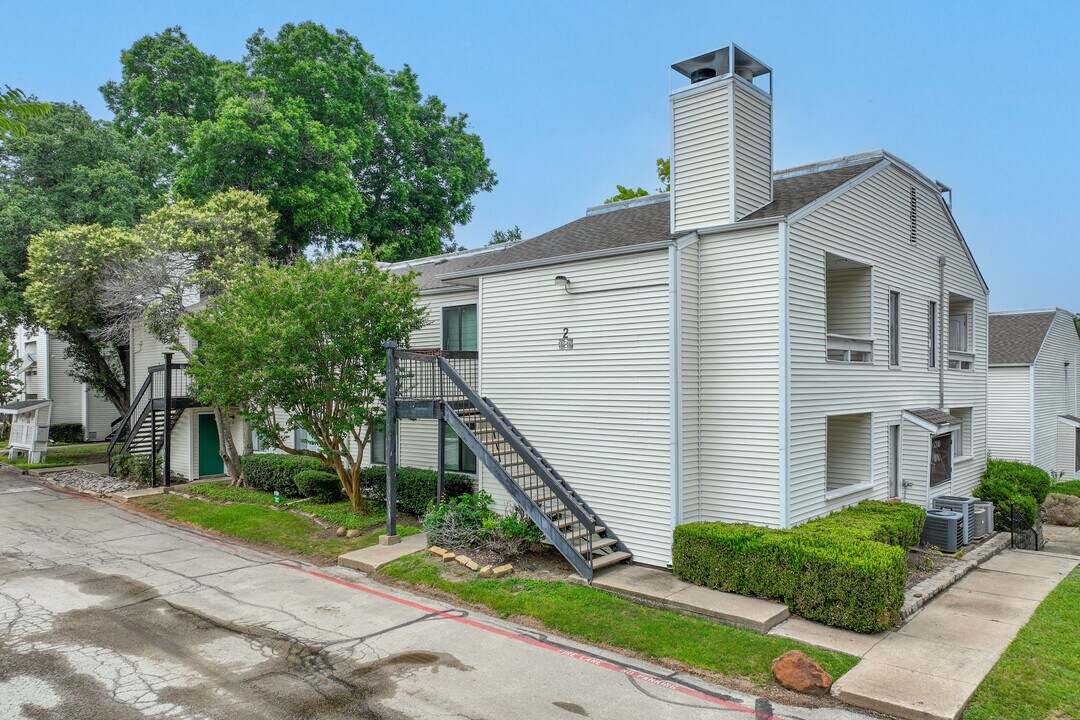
(603, 561)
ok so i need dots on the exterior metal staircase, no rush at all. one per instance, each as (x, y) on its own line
(154, 411)
(429, 385)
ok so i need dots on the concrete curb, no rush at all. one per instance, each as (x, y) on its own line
(938, 583)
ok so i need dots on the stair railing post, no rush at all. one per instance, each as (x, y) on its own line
(166, 417)
(391, 536)
(153, 438)
(440, 471)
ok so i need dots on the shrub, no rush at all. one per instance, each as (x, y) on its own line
(891, 523)
(415, 487)
(1010, 484)
(66, 432)
(1071, 487)
(275, 471)
(826, 575)
(468, 522)
(322, 485)
(137, 468)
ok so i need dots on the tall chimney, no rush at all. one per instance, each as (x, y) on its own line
(721, 160)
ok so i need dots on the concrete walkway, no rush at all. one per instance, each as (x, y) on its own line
(372, 558)
(930, 667)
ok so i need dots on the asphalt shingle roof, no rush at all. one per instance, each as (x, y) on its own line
(1016, 339)
(639, 223)
(935, 416)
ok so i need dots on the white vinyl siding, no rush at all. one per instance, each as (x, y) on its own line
(739, 377)
(753, 150)
(848, 440)
(870, 224)
(701, 160)
(690, 385)
(1009, 431)
(1055, 392)
(1066, 451)
(600, 412)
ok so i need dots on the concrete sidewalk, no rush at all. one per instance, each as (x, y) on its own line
(930, 667)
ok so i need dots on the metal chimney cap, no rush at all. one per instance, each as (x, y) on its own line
(725, 61)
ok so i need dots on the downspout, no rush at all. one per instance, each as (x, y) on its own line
(941, 333)
(785, 383)
(675, 370)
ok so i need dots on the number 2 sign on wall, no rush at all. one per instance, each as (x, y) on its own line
(566, 342)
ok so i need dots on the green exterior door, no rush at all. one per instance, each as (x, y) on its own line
(210, 462)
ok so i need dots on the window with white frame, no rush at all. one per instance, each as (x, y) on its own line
(932, 334)
(847, 310)
(894, 328)
(962, 435)
(961, 345)
(378, 445)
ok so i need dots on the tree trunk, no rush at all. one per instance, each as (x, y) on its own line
(249, 447)
(227, 448)
(104, 379)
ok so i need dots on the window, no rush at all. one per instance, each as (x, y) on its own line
(459, 328)
(257, 445)
(894, 328)
(963, 435)
(913, 216)
(378, 445)
(940, 459)
(961, 356)
(894, 461)
(847, 451)
(458, 456)
(847, 310)
(931, 333)
(302, 440)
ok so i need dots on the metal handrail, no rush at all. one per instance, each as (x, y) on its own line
(127, 416)
(537, 467)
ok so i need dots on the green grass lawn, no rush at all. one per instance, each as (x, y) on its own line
(339, 513)
(259, 524)
(599, 617)
(1038, 677)
(67, 455)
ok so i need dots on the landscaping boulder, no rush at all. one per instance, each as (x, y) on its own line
(341, 531)
(1061, 510)
(795, 671)
(353, 533)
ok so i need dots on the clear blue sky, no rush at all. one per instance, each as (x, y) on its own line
(571, 98)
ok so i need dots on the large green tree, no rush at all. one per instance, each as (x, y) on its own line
(663, 174)
(68, 169)
(306, 339)
(15, 109)
(348, 153)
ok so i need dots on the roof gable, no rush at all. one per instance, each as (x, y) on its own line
(1016, 338)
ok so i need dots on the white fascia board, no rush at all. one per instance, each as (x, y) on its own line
(1069, 421)
(838, 191)
(559, 260)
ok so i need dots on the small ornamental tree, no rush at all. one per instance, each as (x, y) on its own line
(301, 346)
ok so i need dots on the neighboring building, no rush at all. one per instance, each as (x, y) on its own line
(754, 346)
(1034, 408)
(43, 369)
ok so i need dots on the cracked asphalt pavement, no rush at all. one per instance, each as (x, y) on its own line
(107, 613)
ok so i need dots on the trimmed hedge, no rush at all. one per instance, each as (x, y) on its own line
(415, 487)
(276, 471)
(847, 569)
(322, 485)
(1008, 484)
(67, 432)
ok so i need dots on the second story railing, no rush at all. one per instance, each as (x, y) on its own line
(847, 348)
(419, 377)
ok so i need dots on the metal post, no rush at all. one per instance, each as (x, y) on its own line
(391, 536)
(153, 438)
(441, 471)
(166, 417)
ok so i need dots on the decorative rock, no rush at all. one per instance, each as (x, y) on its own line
(472, 565)
(463, 559)
(795, 671)
(352, 533)
(1061, 510)
(918, 594)
(485, 571)
(437, 551)
(502, 570)
(341, 531)
(449, 556)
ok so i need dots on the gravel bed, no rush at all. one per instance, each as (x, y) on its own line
(82, 480)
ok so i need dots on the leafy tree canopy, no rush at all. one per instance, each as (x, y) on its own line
(264, 345)
(504, 236)
(15, 108)
(68, 169)
(663, 174)
(348, 153)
